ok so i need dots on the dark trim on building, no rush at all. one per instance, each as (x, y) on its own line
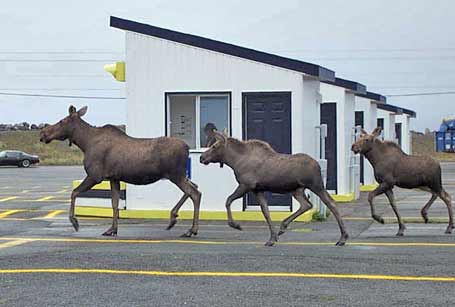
(374, 96)
(356, 87)
(396, 109)
(320, 72)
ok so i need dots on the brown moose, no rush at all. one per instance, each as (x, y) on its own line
(110, 154)
(392, 167)
(258, 168)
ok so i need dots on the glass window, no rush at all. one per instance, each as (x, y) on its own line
(2, 154)
(191, 117)
(182, 111)
(214, 114)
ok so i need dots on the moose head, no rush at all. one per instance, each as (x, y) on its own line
(365, 142)
(215, 153)
(64, 129)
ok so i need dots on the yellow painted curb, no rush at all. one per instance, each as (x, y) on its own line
(277, 216)
(368, 187)
(343, 198)
(105, 185)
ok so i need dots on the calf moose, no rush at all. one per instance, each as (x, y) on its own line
(392, 167)
(258, 168)
(110, 154)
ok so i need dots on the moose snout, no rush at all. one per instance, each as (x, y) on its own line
(355, 149)
(203, 160)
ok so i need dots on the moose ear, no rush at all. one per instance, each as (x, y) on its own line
(82, 111)
(363, 131)
(71, 110)
(376, 132)
(219, 137)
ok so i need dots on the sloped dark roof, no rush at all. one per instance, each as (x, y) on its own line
(320, 72)
(374, 96)
(357, 88)
(396, 109)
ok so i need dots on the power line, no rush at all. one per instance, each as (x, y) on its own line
(55, 60)
(61, 52)
(421, 94)
(60, 89)
(60, 96)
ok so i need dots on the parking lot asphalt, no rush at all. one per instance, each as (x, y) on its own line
(44, 262)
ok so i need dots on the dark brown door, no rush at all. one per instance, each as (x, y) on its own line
(267, 117)
(359, 121)
(329, 117)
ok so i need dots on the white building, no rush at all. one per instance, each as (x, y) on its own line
(402, 129)
(338, 112)
(176, 83)
(396, 125)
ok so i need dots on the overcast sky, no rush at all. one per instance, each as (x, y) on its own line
(393, 47)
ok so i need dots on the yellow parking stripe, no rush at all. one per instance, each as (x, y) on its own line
(8, 198)
(232, 274)
(208, 242)
(9, 212)
(13, 243)
(45, 198)
(62, 191)
(52, 214)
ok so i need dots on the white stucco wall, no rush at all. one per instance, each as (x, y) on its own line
(404, 119)
(345, 102)
(370, 111)
(389, 124)
(156, 66)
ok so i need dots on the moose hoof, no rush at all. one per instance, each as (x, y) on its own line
(378, 219)
(75, 223)
(110, 233)
(342, 240)
(449, 229)
(270, 243)
(189, 233)
(281, 232)
(235, 225)
(425, 218)
(171, 224)
(399, 234)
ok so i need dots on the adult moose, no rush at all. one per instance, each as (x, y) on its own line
(258, 168)
(392, 167)
(110, 154)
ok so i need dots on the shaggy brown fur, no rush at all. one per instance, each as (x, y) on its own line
(393, 167)
(110, 154)
(258, 168)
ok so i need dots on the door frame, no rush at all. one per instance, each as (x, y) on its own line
(244, 127)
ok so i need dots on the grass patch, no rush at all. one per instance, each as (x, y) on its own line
(55, 153)
(423, 144)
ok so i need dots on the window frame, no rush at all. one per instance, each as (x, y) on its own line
(197, 95)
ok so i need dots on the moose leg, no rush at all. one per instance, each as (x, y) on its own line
(85, 185)
(239, 192)
(305, 205)
(115, 190)
(330, 203)
(265, 211)
(390, 196)
(190, 188)
(424, 211)
(175, 210)
(448, 201)
(378, 191)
